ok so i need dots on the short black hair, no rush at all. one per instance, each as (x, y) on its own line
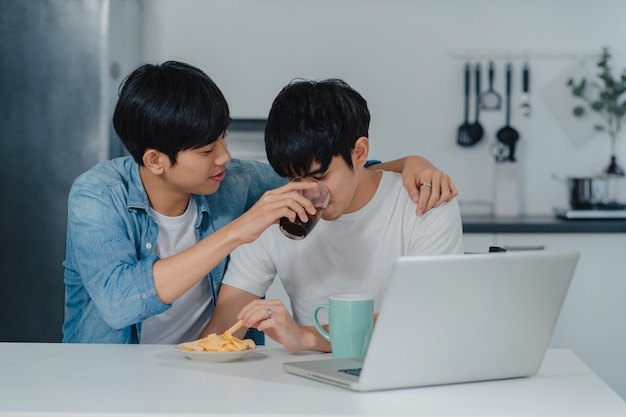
(169, 107)
(312, 122)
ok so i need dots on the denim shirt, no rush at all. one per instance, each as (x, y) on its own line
(111, 237)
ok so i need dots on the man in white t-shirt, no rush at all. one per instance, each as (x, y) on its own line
(320, 130)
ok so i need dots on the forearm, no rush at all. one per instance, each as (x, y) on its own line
(175, 275)
(398, 165)
(229, 303)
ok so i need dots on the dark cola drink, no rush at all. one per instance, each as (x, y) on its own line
(298, 229)
(319, 196)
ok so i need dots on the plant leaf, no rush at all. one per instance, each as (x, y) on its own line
(607, 90)
(578, 111)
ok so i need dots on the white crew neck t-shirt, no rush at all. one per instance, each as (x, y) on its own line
(189, 314)
(351, 255)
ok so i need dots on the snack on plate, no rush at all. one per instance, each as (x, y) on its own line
(225, 342)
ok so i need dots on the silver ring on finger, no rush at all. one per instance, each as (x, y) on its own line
(269, 313)
(426, 184)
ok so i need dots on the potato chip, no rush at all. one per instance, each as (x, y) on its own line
(225, 342)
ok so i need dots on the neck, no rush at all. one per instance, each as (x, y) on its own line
(366, 188)
(163, 199)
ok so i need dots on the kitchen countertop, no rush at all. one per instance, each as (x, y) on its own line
(52, 380)
(538, 224)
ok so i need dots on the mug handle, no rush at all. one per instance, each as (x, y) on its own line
(316, 323)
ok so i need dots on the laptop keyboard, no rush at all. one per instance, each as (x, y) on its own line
(353, 371)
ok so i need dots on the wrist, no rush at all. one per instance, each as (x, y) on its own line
(238, 232)
(417, 161)
(313, 340)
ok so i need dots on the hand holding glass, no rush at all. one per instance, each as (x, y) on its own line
(319, 196)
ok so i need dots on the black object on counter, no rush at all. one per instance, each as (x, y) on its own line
(496, 249)
(596, 193)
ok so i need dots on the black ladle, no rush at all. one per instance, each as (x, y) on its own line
(476, 130)
(507, 135)
(463, 137)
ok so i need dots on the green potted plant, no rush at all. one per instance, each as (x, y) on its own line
(603, 97)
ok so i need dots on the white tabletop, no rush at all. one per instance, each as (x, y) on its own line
(131, 380)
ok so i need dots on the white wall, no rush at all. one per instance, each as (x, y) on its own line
(406, 58)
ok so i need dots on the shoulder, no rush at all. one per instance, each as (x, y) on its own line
(392, 189)
(445, 219)
(391, 178)
(112, 182)
(107, 173)
(391, 186)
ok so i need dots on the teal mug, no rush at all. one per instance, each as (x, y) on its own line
(350, 324)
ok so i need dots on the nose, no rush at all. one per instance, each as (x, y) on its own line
(223, 156)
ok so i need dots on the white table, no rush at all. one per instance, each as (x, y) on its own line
(131, 380)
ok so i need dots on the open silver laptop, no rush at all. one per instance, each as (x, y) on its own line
(457, 318)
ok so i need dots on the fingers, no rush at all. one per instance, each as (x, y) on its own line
(284, 201)
(447, 189)
(427, 198)
(261, 314)
(453, 191)
(441, 190)
(288, 196)
(274, 319)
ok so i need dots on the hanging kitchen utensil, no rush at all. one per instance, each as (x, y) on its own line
(507, 134)
(463, 135)
(476, 129)
(524, 107)
(499, 151)
(491, 99)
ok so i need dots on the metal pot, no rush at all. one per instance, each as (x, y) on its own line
(602, 192)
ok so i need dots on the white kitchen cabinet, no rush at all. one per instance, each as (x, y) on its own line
(593, 315)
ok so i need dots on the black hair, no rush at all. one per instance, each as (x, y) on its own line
(312, 122)
(170, 107)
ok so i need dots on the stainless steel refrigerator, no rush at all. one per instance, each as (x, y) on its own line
(61, 62)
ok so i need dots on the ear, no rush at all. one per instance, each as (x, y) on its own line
(360, 152)
(153, 160)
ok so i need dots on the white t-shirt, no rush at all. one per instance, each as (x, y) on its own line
(190, 313)
(351, 255)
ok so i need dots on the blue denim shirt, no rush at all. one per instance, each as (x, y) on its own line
(111, 236)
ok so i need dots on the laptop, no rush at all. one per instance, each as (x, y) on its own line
(457, 318)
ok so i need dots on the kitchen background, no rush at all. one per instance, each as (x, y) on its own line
(406, 57)
(64, 60)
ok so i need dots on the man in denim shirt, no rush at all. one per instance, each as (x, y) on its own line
(149, 235)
